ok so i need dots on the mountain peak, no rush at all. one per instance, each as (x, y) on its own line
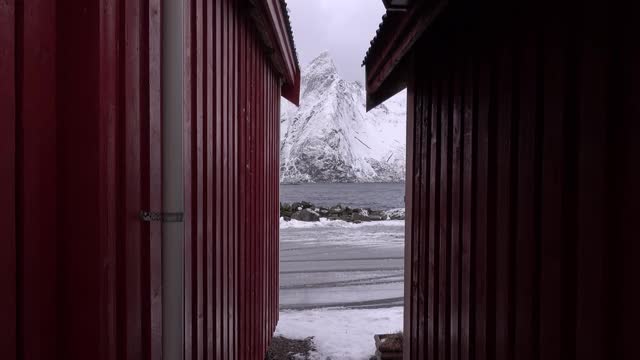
(324, 54)
(323, 61)
(331, 138)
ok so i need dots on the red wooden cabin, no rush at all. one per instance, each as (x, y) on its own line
(109, 108)
(522, 177)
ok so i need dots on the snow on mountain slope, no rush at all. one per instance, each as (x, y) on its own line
(331, 138)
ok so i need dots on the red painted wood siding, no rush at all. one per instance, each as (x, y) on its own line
(231, 158)
(81, 157)
(80, 98)
(522, 184)
(8, 271)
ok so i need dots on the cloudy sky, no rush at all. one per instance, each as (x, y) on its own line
(343, 27)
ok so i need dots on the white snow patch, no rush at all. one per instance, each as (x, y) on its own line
(324, 222)
(345, 334)
(394, 212)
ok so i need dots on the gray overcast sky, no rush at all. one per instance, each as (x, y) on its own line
(343, 27)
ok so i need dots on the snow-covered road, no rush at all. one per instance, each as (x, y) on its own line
(338, 264)
(341, 283)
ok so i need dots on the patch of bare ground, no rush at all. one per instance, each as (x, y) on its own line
(392, 343)
(283, 348)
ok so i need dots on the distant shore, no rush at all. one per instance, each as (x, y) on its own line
(305, 211)
(346, 182)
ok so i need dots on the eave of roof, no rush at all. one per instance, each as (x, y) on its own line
(274, 27)
(397, 5)
(394, 38)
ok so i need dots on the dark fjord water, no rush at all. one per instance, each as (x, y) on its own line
(376, 196)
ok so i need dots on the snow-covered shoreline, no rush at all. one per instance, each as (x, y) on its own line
(345, 334)
(326, 223)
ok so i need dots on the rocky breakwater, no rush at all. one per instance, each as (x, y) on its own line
(304, 211)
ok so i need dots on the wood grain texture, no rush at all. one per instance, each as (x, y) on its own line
(8, 303)
(233, 157)
(529, 184)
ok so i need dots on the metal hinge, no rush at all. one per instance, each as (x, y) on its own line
(160, 216)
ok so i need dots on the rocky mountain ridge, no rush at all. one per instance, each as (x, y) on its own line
(331, 138)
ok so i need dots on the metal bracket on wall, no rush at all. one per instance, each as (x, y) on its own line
(160, 216)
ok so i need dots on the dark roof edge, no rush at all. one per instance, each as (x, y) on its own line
(273, 26)
(394, 39)
(287, 21)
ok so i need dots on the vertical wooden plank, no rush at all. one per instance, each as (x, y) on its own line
(132, 182)
(444, 224)
(265, 272)
(276, 273)
(198, 134)
(275, 148)
(260, 202)
(254, 190)
(468, 182)
(228, 171)
(249, 189)
(8, 302)
(236, 174)
(218, 156)
(264, 208)
(188, 155)
(591, 309)
(480, 226)
(267, 194)
(211, 76)
(207, 43)
(277, 196)
(155, 177)
(230, 178)
(36, 179)
(526, 243)
(109, 163)
(259, 191)
(251, 174)
(456, 201)
(270, 218)
(422, 203)
(629, 174)
(255, 281)
(423, 255)
(242, 204)
(275, 208)
(434, 222)
(233, 180)
(415, 203)
(269, 209)
(77, 290)
(504, 213)
(551, 336)
(224, 180)
(411, 268)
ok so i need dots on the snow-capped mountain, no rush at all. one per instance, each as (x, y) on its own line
(331, 137)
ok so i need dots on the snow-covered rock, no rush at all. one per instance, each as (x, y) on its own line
(395, 214)
(331, 138)
(306, 215)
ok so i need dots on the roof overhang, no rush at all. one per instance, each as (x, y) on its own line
(273, 25)
(397, 5)
(386, 60)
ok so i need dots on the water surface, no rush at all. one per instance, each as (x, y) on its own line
(377, 196)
